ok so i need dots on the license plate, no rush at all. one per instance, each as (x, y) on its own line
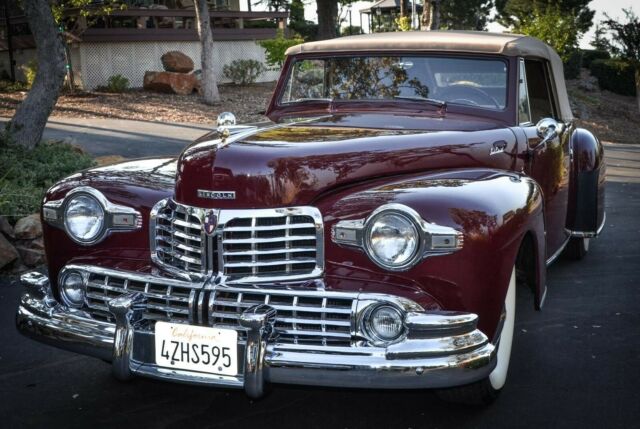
(197, 348)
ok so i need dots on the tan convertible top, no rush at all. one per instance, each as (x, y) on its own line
(450, 41)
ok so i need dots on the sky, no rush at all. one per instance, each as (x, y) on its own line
(611, 7)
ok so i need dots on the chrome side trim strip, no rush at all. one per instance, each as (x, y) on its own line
(558, 252)
(589, 234)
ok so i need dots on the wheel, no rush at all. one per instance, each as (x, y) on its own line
(577, 248)
(487, 390)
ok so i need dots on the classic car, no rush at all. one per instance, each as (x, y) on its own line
(372, 234)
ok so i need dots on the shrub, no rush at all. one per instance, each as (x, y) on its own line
(275, 48)
(25, 175)
(30, 68)
(615, 75)
(243, 72)
(116, 83)
(348, 31)
(403, 23)
(590, 55)
(8, 86)
(573, 64)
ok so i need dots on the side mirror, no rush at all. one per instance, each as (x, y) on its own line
(547, 129)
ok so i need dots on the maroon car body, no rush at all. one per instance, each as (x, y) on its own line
(518, 192)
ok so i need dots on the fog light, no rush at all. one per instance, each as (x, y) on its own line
(73, 289)
(385, 324)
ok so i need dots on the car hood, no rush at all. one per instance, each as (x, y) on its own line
(294, 164)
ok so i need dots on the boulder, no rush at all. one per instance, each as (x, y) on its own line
(30, 257)
(6, 228)
(176, 61)
(28, 227)
(8, 253)
(169, 82)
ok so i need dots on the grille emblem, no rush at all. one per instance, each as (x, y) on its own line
(217, 195)
(210, 222)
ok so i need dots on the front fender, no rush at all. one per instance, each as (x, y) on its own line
(493, 209)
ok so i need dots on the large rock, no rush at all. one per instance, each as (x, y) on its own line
(8, 253)
(6, 228)
(176, 61)
(169, 82)
(30, 257)
(28, 227)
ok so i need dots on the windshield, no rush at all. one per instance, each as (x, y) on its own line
(472, 82)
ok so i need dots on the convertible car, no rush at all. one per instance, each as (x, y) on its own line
(371, 235)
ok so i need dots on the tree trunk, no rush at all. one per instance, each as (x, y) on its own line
(28, 122)
(208, 84)
(426, 16)
(327, 12)
(435, 19)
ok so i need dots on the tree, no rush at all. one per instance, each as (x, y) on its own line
(465, 14)
(558, 30)
(208, 83)
(30, 118)
(511, 12)
(328, 17)
(625, 42)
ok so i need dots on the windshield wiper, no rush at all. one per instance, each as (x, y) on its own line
(432, 101)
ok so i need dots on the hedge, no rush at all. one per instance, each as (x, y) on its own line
(590, 55)
(615, 75)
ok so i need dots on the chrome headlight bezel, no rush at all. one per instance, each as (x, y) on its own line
(370, 332)
(404, 215)
(434, 239)
(116, 218)
(100, 214)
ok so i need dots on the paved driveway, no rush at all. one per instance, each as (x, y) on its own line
(131, 139)
(574, 365)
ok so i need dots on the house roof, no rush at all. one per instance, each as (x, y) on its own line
(448, 41)
(383, 4)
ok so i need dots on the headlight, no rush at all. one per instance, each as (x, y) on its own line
(392, 239)
(384, 324)
(84, 218)
(73, 289)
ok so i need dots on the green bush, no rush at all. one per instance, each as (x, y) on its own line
(590, 55)
(275, 48)
(116, 83)
(615, 75)
(25, 175)
(30, 68)
(573, 64)
(243, 72)
(8, 86)
(348, 31)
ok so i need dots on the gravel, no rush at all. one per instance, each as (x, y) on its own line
(248, 103)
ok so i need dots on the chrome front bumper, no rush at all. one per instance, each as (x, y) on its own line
(443, 349)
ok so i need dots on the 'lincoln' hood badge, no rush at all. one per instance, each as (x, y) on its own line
(217, 195)
(210, 222)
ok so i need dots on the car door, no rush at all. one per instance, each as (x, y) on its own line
(547, 146)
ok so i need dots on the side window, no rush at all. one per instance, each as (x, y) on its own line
(524, 111)
(540, 98)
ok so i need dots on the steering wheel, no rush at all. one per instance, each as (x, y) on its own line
(467, 94)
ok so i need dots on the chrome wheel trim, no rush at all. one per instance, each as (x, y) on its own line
(498, 376)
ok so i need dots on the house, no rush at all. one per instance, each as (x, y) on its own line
(131, 41)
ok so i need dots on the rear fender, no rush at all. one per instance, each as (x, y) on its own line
(585, 213)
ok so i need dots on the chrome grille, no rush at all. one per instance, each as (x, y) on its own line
(178, 238)
(247, 246)
(270, 244)
(303, 317)
(166, 299)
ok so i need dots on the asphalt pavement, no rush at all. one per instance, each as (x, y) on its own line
(131, 139)
(575, 364)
